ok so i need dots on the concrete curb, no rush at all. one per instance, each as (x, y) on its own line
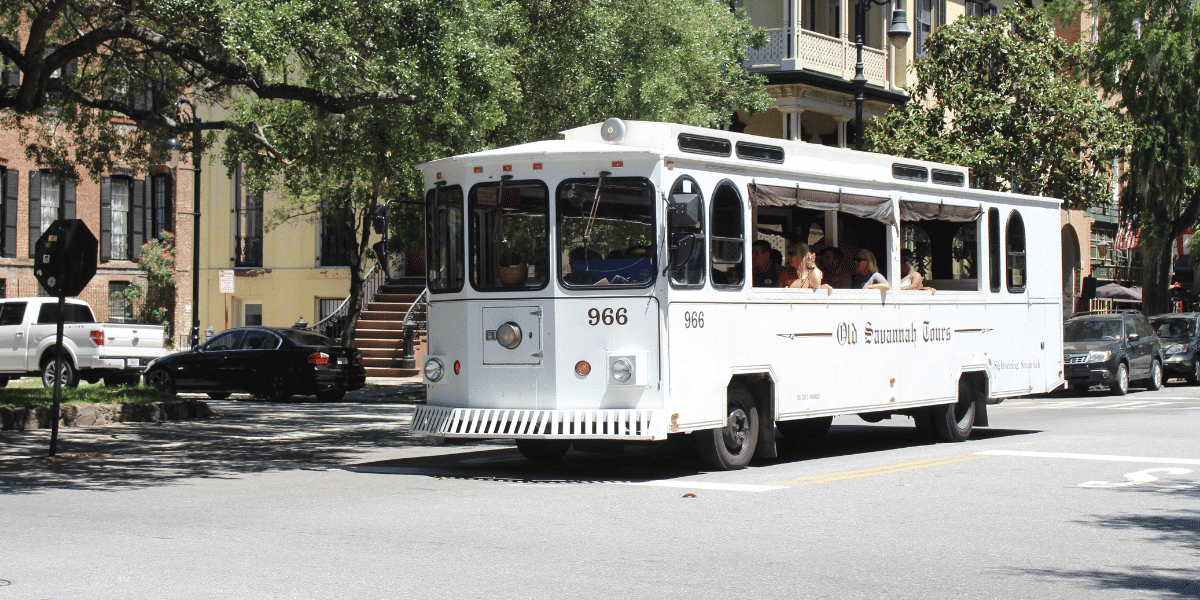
(88, 415)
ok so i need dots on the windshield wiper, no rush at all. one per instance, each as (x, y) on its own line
(587, 231)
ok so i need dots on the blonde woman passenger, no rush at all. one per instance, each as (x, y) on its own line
(808, 275)
(867, 274)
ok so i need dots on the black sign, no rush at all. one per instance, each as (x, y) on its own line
(65, 257)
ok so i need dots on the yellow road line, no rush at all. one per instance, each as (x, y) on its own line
(884, 470)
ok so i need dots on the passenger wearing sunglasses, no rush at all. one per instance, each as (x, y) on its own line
(867, 270)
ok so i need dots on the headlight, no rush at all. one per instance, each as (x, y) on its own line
(1176, 349)
(509, 335)
(434, 369)
(622, 370)
(1096, 356)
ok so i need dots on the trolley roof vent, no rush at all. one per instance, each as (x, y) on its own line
(699, 144)
(942, 177)
(761, 152)
(910, 172)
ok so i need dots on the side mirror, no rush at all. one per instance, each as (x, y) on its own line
(685, 210)
(682, 249)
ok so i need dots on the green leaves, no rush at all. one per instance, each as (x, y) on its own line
(1006, 97)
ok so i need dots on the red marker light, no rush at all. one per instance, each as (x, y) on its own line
(507, 167)
(618, 163)
(457, 367)
(439, 175)
(582, 368)
(478, 169)
(537, 166)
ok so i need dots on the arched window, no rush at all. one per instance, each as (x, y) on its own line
(686, 230)
(728, 238)
(1014, 244)
(994, 248)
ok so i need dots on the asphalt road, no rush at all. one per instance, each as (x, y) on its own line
(1063, 497)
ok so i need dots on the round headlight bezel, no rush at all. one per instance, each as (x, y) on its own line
(508, 335)
(621, 370)
(434, 370)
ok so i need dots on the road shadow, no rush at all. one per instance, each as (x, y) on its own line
(633, 463)
(1179, 528)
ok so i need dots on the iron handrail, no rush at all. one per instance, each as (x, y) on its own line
(372, 281)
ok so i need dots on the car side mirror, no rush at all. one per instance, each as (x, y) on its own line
(1133, 337)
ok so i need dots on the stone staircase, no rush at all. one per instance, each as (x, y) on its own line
(379, 334)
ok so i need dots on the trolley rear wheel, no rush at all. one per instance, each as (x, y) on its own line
(732, 446)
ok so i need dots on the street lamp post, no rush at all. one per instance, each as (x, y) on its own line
(173, 144)
(898, 32)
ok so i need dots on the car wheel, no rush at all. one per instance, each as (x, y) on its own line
(805, 430)
(732, 446)
(1120, 385)
(218, 395)
(1194, 378)
(331, 396)
(162, 381)
(69, 377)
(1156, 376)
(276, 390)
(545, 451)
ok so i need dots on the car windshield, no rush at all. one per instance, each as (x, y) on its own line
(1092, 330)
(1174, 327)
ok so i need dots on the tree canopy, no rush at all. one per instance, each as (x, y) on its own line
(1147, 60)
(1007, 98)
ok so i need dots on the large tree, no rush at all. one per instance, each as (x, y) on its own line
(1148, 60)
(1006, 97)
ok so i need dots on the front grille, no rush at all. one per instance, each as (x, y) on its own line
(510, 423)
(1076, 359)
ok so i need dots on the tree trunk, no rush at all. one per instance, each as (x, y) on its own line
(1156, 276)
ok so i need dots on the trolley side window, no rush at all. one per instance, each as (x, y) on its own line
(944, 241)
(444, 238)
(686, 227)
(509, 233)
(1014, 245)
(994, 248)
(728, 238)
(606, 232)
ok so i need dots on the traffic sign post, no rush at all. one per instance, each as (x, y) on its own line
(64, 262)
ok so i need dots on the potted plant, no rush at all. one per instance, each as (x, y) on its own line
(513, 269)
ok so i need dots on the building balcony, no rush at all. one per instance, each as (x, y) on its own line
(810, 50)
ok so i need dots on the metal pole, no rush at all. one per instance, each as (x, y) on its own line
(196, 155)
(860, 78)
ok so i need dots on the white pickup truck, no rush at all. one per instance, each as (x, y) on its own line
(115, 352)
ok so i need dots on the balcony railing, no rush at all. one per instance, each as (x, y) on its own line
(818, 52)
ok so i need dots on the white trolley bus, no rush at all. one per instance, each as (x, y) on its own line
(601, 287)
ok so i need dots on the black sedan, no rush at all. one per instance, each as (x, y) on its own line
(271, 363)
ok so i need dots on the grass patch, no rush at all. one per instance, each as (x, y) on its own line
(23, 397)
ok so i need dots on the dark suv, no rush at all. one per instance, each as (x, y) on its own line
(1111, 349)
(1180, 335)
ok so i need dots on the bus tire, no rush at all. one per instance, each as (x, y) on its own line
(805, 430)
(953, 422)
(732, 446)
(543, 451)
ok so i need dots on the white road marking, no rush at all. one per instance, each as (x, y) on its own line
(1102, 457)
(703, 485)
(1134, 405)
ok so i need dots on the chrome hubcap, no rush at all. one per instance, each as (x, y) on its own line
(736, 427)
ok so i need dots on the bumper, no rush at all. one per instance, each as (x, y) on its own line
(1180, 365)
(628, 424)
(1089, 374)
(334, 381)
(131, 364)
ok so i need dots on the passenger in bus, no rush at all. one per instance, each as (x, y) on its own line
(910, 278)
(834, 271)
(808, 275)
(766, 273)
(868, 272)
(791, 263)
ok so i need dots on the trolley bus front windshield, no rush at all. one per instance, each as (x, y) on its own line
(606, 237)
